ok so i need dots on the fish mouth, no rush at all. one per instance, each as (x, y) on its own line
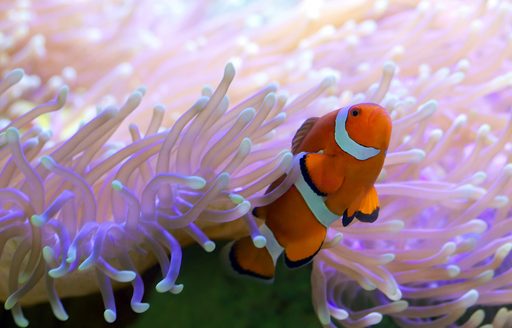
(377, 115)
(381, 120)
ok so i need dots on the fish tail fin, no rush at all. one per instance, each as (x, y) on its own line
(245, 259)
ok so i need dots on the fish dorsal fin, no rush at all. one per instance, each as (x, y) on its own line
(302, 132)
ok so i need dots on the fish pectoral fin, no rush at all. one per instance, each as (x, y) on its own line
(302, 252)
(368, 210)
(321, 172)
(301, 133)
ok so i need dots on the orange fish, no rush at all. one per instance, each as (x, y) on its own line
(340, 155)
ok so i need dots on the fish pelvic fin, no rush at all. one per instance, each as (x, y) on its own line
(302, 252)
(247, 260)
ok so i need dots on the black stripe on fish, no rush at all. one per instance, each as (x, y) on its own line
(307, 177)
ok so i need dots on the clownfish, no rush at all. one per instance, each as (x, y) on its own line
(339, 157)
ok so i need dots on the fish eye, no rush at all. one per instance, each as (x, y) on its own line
(355, 112)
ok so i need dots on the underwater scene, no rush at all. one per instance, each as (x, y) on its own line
(332, 163)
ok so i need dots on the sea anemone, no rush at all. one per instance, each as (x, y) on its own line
(86, 196)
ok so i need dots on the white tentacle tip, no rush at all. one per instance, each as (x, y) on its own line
(453, 270)
(71, 255)
(245, 146)
(176, 289)
(3, 139)
(12, 134)
(449, 248)
(62, 95)
(229, 71)
(38, 220)
(460, 120)
(117, 185)
(395, 295)
(23, 277)
(273, 86)
(435, 135)
(46, 135)
(373, 318)
(10, 302)
(337, 313)
(287, 158)
(236, 198)
(57, 272)
(396, 225)
(387, 258)
(48, 162)
(328, 81)
(479, 177)
(85, 264)
(324, 316)
(143, 89)
(483, 131)
(245, 206)
(109, 315)
(429, 107)
(207, 91)
(247, 114)
(281, 117)
(507, 170)
(134, 99)
(163, 286)
(400, 306)
(389, 67)
(270, 99)
(470, 191)
(334, 241)
(166, 285)
(471, 297)
(125, 276)
(503, 250)
(209, 246)
(418, 155)
(61, 314)
(259, 241)
(48, 254)
(201, 102)
(196, 182)
(485, 276)
(479, 226)
(223, 178)
(160, 108)
(21, 321)
(139, 307)
(31, 143)
(15, 75)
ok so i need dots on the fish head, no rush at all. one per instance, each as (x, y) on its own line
(362, 130)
